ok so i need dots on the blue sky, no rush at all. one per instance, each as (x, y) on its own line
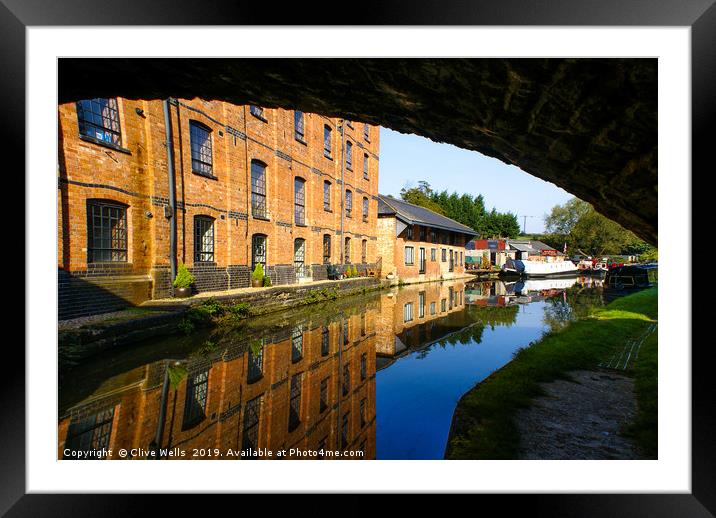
(407, 159)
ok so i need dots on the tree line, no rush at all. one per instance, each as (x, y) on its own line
(464, 208)
(587, 232)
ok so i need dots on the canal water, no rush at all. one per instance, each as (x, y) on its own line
(370, 377)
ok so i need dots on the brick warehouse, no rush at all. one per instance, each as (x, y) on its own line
(293, 191)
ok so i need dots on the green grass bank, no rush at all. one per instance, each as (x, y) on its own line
(483, 425)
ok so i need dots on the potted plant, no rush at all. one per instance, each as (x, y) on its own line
(257, 278)
(183, 282)
(267, 281)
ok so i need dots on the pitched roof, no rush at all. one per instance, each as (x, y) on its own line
(416, 215)
(529, 246)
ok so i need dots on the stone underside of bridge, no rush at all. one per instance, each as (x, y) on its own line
(586, 125)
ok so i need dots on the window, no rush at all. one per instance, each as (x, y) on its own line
(364, 251)
(346, 337)
(409, 252)
(344, 431)
(327, 141)
(433, 236)
(460, 258)
(106, 231)
(252, 415)
(444, 254)
(99, 119)
(443, 238)
(366, 132)
(346, 379)
(325, 341)
(347, 251)
(299, 200)
(432, 254)
(200, 140)
(258, 251)
(257, 111)
(349, 156)
(203, 239)
(362, 413)
(258, 189)
(326, 248)
(451, 296)
(452, 239)
(443, 305)
(362, 323)
(421, 304)
(349, 203)
(324, 396)
(363, 366)
(195, 401)
(365, 166)
(298, 126)
(432, 308)
(365, 209)
(299, 257)
(296, 344)
(423, 232)
(327, 195)
(255, 361)
(294, 408)
(408, 312)
(409, 232)
(91, 433)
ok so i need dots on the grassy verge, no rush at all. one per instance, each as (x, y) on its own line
(483, 427)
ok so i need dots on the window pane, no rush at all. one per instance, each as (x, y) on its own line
(106, 232)
(200, 140)
(99, 118)
(258, 189)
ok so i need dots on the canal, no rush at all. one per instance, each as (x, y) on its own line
(377, 376)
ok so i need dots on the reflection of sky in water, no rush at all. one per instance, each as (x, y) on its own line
(416, 397)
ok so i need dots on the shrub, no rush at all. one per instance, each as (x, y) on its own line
(267, 280)
(347, 273)
(258, 274)
(242, 309)
(354, 271)
(184, 278)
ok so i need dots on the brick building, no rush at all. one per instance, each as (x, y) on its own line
(407, 317)
(309, 387)
(417, 244)
(241, 184)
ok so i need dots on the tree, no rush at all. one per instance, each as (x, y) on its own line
(585, 230)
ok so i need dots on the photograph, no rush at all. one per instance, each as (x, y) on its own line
(427, 254)
(357, 258)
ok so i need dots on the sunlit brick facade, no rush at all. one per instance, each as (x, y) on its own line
(252, 185)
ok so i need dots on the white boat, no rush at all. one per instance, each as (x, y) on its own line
(539, 268)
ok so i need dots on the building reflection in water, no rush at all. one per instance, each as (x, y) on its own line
(306, 387)
(304, 380)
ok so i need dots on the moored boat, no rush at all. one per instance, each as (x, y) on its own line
(539, 268)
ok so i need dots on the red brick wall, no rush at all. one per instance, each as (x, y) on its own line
(137, 176)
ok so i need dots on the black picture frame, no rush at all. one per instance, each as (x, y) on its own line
(700, 15)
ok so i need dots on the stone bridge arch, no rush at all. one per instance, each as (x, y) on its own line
(586, 125)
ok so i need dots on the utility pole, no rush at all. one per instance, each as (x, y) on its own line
(524, 222)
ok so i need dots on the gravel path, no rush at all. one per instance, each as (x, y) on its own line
(579, 419)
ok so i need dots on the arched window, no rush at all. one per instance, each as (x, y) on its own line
(203, 239)
(347, 251)
(349, 203)
(366, 132)
(106, 231)
(99, 119)
(326, 248)
(349, 156)
(299, 200)
(365, 209)
(365, 166)
(298, 126)
(258, 189)
(258, 251)
(200, 140)
(364, 251)
(299, 257)
(327, 141)
(326, 195)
